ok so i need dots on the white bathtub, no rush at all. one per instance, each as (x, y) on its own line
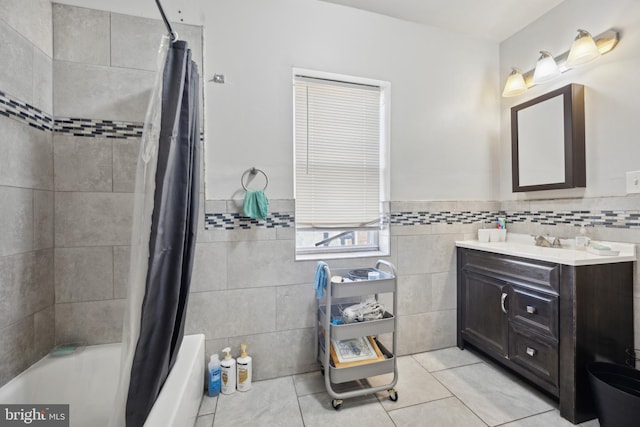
(87, 381)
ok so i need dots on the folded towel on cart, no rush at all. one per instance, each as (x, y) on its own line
(320, 281)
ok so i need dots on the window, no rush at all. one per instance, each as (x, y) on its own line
(341, 165)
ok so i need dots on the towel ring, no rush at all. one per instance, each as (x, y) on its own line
(253, 171)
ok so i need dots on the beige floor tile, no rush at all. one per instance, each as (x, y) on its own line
(493, 395)
(358, 411)
(448, 412)
(446, 358)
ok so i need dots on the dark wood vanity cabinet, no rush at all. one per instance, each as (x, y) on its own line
(545, 321)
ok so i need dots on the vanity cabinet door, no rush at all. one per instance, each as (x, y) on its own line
(484, 313)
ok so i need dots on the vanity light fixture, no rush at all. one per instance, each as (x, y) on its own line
(579, 54)
(583, 50)
(546, 68)
(515, 84)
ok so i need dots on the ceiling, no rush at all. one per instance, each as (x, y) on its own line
(495, 20)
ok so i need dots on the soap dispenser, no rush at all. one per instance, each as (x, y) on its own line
(228, 368)
(244, 369)
(213, 388)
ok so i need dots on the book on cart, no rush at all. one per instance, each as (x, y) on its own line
(355, 351)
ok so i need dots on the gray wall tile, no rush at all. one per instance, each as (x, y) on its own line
(121, 255)
(414, 294)
(82, 164)
(135, 41)
(279, 353)
(125, 161)
(93, 219)
(26, 156)
(16, 220)
(81, 35)
(42, 81)
(426, 254)
(16, 349)
(295, 307)
(209, 267)
(32, 19)
(42, 219)
(44, 323)
(444, 290)
(223, 314)
(16, 73)
(100, 92)
(83, 274)
(426, 331)
(264, 263)
(93, 322)
(27, 285)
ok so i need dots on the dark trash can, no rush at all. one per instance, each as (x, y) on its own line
(616, 392)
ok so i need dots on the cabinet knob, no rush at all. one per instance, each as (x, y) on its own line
(531, 351)
(531, 310)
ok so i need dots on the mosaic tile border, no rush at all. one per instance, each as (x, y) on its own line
(90, 128)
(25, 113)
(98, 128)
(604, 218)
(236, 221)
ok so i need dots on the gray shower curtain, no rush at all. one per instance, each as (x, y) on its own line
(173, 235)
(163, 235)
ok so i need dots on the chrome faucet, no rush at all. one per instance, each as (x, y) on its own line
(545, 243)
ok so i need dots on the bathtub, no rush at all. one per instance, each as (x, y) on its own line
(87, 381)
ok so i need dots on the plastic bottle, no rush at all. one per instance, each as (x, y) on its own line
(228, 368)
(214, 376)
(582, 241)
(244, 370)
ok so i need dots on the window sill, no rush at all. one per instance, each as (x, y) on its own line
(341, 255)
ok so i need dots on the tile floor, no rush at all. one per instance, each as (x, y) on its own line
(442, 388)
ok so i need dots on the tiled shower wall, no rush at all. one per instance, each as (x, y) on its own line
(103, 70)
(26, 187)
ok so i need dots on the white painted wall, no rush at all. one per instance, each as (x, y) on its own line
(612, 91)
(444, 95)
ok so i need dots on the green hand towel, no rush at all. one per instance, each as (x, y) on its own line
(256, 204)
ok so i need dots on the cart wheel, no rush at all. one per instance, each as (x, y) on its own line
(393, 395)
(336, 403)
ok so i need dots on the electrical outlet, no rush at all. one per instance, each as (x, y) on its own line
(633, 182)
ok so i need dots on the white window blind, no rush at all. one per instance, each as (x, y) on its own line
(337, 154)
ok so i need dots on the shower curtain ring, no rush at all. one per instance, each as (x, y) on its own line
(253, 171)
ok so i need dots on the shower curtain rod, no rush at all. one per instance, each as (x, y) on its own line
(172, 33)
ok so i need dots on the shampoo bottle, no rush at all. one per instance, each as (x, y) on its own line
(228, 368)
(214, 376)
(244, 370)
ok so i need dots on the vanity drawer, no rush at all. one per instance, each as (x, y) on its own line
(535, 354)
(535, 310)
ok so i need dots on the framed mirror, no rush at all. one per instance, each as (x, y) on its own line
(547, 141)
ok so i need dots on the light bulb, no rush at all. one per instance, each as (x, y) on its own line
(546, 68)
(515, 84)
(583, 50)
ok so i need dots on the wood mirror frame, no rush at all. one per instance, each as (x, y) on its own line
(574, 147)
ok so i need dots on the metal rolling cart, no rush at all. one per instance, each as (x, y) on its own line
(338, 293)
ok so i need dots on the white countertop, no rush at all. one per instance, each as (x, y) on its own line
(522, 245)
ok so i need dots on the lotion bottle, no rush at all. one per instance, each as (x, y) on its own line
(228, 368)
(244, 369)
(214, 376)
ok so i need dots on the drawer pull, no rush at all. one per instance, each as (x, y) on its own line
(531, 351)
(531, 310)
(502, 300)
